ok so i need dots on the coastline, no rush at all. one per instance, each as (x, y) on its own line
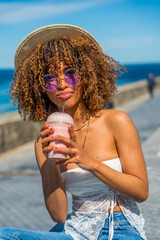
(15, 132)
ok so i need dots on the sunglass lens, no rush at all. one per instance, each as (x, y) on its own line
(70, 77)
(71, 81)
(51, 82)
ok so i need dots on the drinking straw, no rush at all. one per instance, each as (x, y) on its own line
(63, 105)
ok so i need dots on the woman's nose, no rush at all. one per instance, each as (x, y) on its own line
(62, 83)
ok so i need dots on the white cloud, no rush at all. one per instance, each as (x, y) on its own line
(18, 12)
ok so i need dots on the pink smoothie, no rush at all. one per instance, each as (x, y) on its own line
(60, 122)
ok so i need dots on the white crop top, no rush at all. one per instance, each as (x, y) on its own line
(91, 200)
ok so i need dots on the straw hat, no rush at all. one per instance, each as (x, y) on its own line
(47, 33)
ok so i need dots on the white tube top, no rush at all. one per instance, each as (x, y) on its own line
(91, 200)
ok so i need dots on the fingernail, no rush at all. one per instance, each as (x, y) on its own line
(53, 137)
(52, 129)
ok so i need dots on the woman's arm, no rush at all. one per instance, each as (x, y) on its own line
(133, 181)
(53, 187)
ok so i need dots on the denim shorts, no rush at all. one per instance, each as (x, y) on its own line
(122, 231)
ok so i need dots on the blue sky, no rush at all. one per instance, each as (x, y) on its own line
(128, 30)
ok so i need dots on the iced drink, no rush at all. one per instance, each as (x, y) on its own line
(60, 122)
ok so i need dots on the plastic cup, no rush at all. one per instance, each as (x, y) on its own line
(60, 122)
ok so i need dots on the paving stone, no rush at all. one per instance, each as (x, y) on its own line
(150, 208)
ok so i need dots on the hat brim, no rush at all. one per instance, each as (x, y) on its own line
(47, 33)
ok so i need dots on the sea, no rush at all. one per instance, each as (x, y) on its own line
(135, 72)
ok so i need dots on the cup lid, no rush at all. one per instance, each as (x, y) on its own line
(58, 117)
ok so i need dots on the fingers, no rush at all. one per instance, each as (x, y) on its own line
(64, 161)
(45, 126)
(46, 131)
(65, 140)
(47, 140)
(48, 148)
(69, 151)
(72, 134)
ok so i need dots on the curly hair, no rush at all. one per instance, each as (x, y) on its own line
(98, 74)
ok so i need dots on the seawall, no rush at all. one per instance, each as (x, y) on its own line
(133, 91)
(15, 132)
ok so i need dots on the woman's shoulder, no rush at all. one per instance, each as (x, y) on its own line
(117, 120)
(119, 123)
(115, 116)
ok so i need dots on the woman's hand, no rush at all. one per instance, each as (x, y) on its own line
(46, 139)
(75, 153)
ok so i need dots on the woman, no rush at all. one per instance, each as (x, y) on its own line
(104, 169)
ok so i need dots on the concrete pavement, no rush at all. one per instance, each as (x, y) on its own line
(21, 198)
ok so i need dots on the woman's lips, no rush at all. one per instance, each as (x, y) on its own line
(65, 95)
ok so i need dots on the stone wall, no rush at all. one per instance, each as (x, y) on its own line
(15, 132)
(132, 91)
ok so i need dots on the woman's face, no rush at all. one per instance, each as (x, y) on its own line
(64, 84)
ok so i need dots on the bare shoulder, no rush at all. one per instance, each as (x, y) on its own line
(119, 122)
(116, 117)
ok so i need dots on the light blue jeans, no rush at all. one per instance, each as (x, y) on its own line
(122, 231)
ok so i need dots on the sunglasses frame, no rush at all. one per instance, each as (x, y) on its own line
(57, 79)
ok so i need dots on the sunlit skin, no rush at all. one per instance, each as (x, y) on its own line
(111, 135)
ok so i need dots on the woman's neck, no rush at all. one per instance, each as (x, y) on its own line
(80, 114)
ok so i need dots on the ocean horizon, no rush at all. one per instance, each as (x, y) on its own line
(135, 72)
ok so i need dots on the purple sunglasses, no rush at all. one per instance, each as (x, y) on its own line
(51, 81)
